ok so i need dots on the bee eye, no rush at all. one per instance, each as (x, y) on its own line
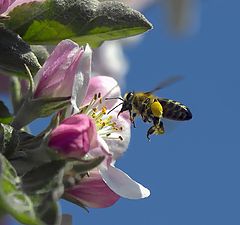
(129, 95)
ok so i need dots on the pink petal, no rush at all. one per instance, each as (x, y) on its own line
(74, 137)
(5, 4)
(107, 86)
(55, 78)
(122, 184)
(93, 192)
(82, 78)
(20, 2)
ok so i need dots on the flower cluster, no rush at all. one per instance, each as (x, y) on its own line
(88, 132)
(75, 156)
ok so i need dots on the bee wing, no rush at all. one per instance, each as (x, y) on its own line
(165, 83)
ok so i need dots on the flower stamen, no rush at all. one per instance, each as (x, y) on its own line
(105, 125)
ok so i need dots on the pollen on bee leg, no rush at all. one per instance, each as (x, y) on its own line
(157, 109)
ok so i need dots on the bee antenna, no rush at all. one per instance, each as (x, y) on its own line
(115, 107)
(115, 98)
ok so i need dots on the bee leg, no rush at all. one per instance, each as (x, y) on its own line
(155, 129)
(132, 117)
(144, 118)
(150, 131)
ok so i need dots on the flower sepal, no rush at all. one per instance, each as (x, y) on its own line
(38, 108)
(82, 166)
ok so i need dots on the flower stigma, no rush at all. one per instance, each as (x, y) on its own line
(106, 127)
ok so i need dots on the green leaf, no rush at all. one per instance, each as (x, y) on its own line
(83, 21)
(5, 116)
(41, 52)
(44, 185)
(14, 53)
(49, 212)
(40, 107)
(43, 177)
(83, 166)
(46, 106)
(9, 139)
(12, 199)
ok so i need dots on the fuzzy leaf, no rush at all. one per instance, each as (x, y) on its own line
(47, 106)
(40, 177)
(49, 213)
(83, 21)
(40, 107)
(12, 199)
(5, 116)
(47, 210)
(83, 166)
(14, 53)
(9, 139)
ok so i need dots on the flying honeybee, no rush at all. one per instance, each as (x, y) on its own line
(152, 108)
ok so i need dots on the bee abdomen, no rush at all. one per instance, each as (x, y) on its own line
(175, 110)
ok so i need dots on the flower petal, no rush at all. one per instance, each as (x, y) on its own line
(4, 4)
(110, 60)
(93, 192)
(82, 77)
(74, 137)
(55, 78)
(107, 86)
(117, 146)
(122, 184)
(20, 2)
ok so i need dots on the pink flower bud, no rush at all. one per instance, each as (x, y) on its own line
(4, 4)
(93, 192)
(56, 77)
(74, 136)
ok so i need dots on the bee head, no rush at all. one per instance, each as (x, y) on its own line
(128, 97)
(127, 102)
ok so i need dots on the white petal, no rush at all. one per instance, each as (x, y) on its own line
(116, 146)
(85, 73)
(107, 86)
(109, 60)
(122, 184)
(81, 81)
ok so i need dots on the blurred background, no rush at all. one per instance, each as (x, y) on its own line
(192, 170)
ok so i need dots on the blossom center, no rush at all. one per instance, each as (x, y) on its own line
(106, 127)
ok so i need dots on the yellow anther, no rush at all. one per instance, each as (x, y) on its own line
(104, 110)
(120, 137)
(156, 109)
(93, 115)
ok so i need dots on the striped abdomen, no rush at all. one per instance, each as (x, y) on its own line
(174, 110)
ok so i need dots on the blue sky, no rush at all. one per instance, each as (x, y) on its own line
(192, 170)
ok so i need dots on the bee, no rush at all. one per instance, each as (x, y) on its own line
(153, 108)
